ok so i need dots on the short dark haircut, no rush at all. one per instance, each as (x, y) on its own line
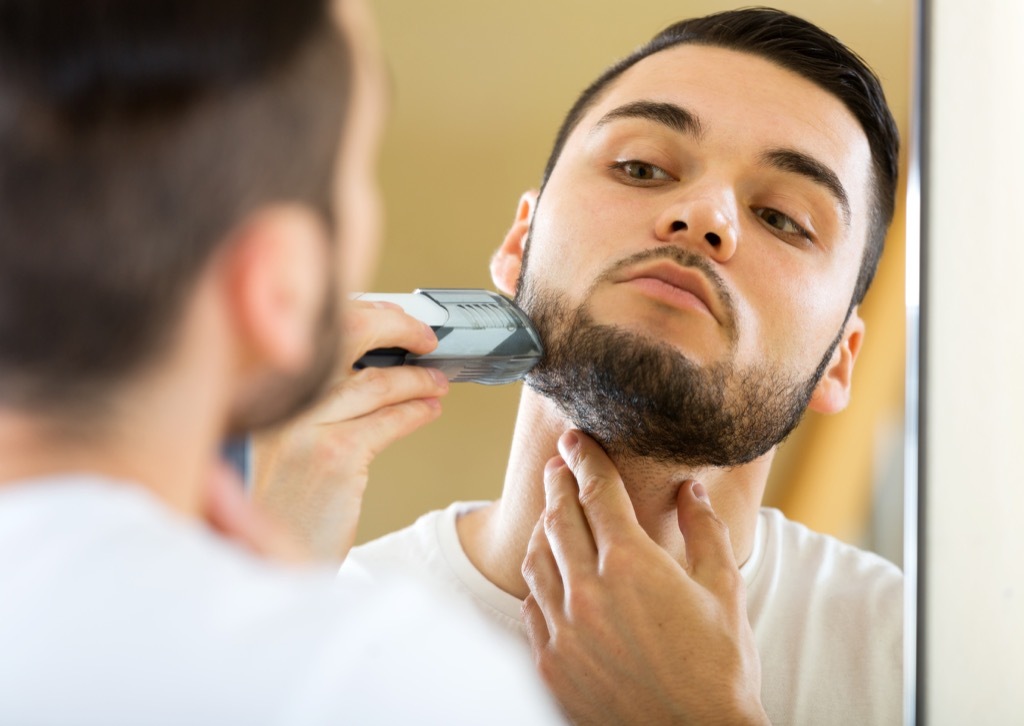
(134, 136)
(805, 49)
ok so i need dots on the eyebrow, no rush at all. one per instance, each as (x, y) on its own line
(675, 117)
(797, 162)
(687, 122)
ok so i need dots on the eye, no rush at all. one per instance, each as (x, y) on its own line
(781, 222)
(641, 171)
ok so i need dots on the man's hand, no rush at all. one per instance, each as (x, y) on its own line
(621, 632)
(312, 473)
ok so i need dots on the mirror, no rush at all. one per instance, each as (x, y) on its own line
(479, 92)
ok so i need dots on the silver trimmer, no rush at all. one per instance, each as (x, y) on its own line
(483, 337)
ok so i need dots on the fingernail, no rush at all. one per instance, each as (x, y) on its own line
(700, 492)
(439, 378)
(433, 403)
(429, 333)
(569, 440)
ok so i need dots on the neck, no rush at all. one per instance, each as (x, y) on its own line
(160, 432)
(496, 537)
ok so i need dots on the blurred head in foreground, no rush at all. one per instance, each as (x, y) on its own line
(174, 182)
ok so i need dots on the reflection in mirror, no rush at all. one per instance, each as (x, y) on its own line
(479, 91)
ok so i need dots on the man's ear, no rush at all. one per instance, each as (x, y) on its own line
(832, 394)
(508, 260)
(275, 281)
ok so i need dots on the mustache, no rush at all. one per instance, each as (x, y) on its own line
(683, 258)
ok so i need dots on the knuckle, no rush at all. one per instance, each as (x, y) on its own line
(530, 565)
(558, 514)
(530, 614)
(593, 486)
(725, 582)
(729, 581)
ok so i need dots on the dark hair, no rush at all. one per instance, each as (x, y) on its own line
(805, 49)
(133, 137)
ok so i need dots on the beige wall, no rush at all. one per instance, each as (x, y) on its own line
(479, 90)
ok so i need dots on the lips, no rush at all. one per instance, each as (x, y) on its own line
(682, 286)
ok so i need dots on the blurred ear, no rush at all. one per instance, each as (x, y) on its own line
(275, 274)
(832, 393)
(508, 260)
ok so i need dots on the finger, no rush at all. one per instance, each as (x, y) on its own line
(708, 548)
(371, 389)
(540, 571)
(321, 447)
(370, 325)
(602, 494)
(566, 530)
(381, 428)
(330, 447)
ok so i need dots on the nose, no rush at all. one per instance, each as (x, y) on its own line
(702, 221)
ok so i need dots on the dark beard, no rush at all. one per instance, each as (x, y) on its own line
(640, 397)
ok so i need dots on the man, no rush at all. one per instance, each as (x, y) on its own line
(711, 216)
(174, 181)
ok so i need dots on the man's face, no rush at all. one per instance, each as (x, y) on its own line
(711, 211)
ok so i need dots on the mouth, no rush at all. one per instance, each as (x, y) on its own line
(680, 287)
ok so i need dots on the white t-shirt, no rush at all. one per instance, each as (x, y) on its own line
(827, 617)
(115, 610)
